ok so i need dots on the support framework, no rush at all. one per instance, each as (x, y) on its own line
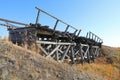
(58, 45)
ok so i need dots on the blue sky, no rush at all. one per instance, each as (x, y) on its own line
(102, 17)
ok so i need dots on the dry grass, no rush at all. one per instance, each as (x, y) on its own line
(118, 48)
(24, 64)
(37, 66)
(107, 71)
(106, 66)
(5, 38)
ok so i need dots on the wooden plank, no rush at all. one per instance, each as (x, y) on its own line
(55, 43)
(95, 46)
(53, 51)
(63, 57)
(80, 52)
(46, 53)
(85, 54)
(72, 54)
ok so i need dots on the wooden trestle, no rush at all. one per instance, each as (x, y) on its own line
(59, 45)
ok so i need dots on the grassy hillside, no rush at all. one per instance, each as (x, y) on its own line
(17, 63)
(107, 66)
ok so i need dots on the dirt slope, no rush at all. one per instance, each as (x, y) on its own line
(17, 63)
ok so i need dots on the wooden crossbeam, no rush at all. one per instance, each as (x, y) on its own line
(53, 51)
(65, 53)
(55, 43)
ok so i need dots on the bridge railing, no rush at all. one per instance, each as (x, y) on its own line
(76, 31)
(94, 37)
(11, 24)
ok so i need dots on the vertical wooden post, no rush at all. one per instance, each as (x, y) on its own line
(56, 24)
(81, 54)
(72, 55)
(56, 54)
(90, 53)
(37, 19)
(63, 57)
(87, 35)
(79, 33)
(66, 28)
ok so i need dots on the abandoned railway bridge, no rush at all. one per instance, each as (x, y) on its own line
(56, 44)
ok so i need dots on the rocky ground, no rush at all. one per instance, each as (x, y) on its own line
(17, 63)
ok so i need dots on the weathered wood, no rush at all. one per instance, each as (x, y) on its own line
(63, 57)
(55, 43)
(43, 50)
(53, 51)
